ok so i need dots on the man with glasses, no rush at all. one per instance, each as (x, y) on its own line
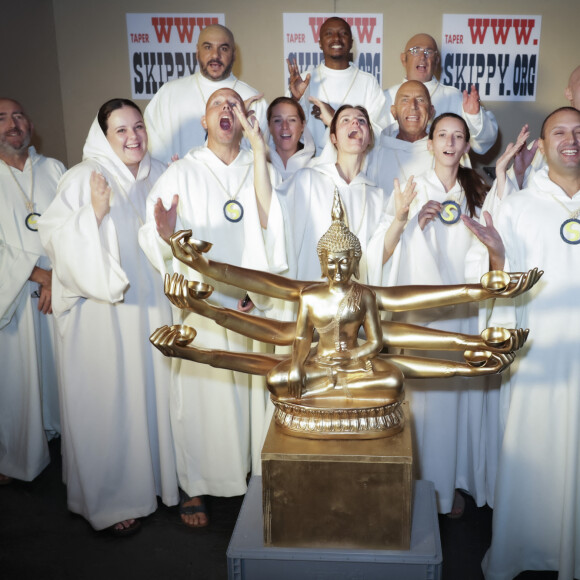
(421, 60)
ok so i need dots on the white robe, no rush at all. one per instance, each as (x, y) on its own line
(448, 415)
(218, 416)
(350, 86)
(394, 158)
(536, 518)
(307, 201)
(107, 299)
(446, 99)
(28, 381)
(173, 117)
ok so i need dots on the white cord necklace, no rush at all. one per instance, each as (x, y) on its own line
(233, 209)
(323, 78)
(32, 217)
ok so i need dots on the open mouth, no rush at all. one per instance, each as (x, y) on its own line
(225, 123)
(354, 134)
(570, 152)
(449, 153)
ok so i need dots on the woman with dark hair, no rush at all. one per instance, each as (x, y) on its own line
(308, 196)
(449, 416)
(291, 144)
(107, 300)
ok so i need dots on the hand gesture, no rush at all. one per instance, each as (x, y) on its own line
(512, 151)
(100, 195)
(252, 131)
(188, 250)
(171, 340)
(489, 237)
(517, 339)
(321, 110)
(296, 84)
(497, 363)
(165, 219)
(521, 282)
(403, 199)
(471, 103)
(523, 160)
(428, 213)
(295, 381)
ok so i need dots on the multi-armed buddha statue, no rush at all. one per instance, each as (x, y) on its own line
(340, 381)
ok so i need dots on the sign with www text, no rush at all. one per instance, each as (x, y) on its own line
(162, 47)
(302, 32)
(497, 54)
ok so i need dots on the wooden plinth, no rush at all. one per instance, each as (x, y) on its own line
(337, 494)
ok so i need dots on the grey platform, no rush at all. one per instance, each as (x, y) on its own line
(249, 559)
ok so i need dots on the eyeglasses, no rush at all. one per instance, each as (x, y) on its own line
(417, 50)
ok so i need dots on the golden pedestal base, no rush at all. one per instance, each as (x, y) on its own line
(337, 493)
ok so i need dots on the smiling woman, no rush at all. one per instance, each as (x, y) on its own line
(106, 300)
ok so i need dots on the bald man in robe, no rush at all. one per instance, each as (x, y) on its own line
(173, 117)
(420, 60)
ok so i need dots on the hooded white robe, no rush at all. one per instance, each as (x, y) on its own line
(28, 380)
(536, 518)
(218, 416)
(446, 99)
(173, 117)
(350, 86)
(448, 415)
(300, 159)
(307, 200)
(107, 298)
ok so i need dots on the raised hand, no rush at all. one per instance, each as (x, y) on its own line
(296, 84)
(252, 130)
(511, 151)
(471, 103)
(165, 219)
(403, 199)
(100, 195)
(321, 110)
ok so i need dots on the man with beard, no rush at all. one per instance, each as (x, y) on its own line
(420, 60)
(28, 387)
(535, 515)
(336, 82)
(217, 416)
(173, 117)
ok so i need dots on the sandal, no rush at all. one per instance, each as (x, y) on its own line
(186, 510)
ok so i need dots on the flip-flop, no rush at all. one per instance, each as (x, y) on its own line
(191, 509)
(124, 532)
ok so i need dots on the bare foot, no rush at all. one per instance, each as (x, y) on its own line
(193, 513)
(458, 506)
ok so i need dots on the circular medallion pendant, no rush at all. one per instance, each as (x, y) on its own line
(450, 212)
(570, 231)
(31, 220)
(233, 210)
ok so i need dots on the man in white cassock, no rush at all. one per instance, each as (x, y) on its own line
(420, 60)
(536, 519)
(218, 416)
(28, 386)
(529, 159)
(173, 116)
(335, 82)
(402, 150)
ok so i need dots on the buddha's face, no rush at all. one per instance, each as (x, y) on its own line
(339, 267)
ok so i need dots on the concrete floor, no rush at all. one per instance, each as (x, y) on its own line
(41, 540)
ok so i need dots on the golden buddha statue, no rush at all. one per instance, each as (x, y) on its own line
(343, 384)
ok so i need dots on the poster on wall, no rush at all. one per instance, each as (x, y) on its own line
(498, 54)
(162, 47)
(301, 34)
